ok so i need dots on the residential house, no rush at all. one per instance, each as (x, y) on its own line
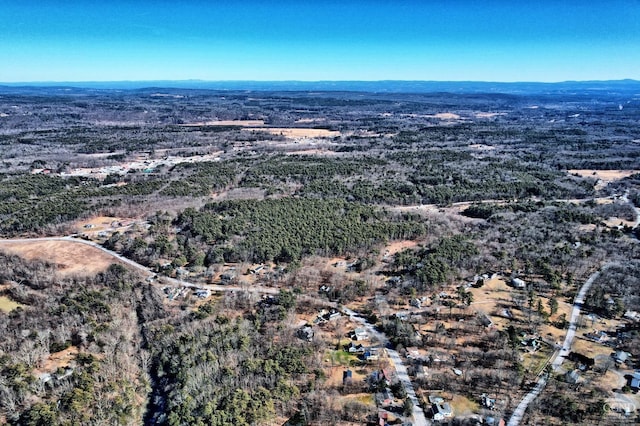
(488, 402)
(393, 281)
(441, 411)
(227, 276)
(305, 333)
(435, 399)
(334, 315)
(635, 381)
(492, 421)
(584, 362)
(485, 320)
(572, 377)
(371, 355)
(360, 333)
(354, 348)
(325, 316)
(203, 293)
(257, 269)
(620, 357)
(380, 377)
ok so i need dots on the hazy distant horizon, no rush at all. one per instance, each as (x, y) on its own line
(197, 80)
(622, 87)
(349, 40)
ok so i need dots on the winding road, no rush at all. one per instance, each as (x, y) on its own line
(419, 419)
(401, 369)
(143, 269)
(518, 413)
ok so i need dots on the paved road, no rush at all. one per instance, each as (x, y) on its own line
(518, 413)
(144, 270)
(419, 419)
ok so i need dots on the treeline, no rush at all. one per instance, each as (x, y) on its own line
(199, 179)
(29, 203)
(425, 268)
(446, 176)
(287, 229)
(305, 169)
(554, 212)
(616, 290)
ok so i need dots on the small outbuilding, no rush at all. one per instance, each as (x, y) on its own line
(518, 283)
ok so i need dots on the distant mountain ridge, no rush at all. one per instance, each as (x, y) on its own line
(383, 86)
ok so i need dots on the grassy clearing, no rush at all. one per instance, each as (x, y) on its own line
(535, 362)
(341, 357)
(463, 406)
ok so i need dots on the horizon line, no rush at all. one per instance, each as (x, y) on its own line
(196, 80)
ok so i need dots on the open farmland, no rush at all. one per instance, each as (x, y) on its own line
(69, 258)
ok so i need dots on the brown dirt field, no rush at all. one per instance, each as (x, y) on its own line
(334, 375)
(610, 380)
(614, 222)
(334, 260)
(398, 246)
(604, 175)
(365, 398)
(550, 332)
(71, 258)
(58, 360)
(493, 291)
(587, 347)
(293, 133)
(100, 223)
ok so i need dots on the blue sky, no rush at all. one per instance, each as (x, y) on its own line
(514, 40)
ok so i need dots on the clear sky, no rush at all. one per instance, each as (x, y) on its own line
(110, 40)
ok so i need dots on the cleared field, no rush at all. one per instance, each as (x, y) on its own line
(463, 406)
(100, 223)
(614, 222)
(57, 360)
(71, 258)
(606, 175)
(294, 133)
(445, 116)
(398, 246)
(7, 305)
